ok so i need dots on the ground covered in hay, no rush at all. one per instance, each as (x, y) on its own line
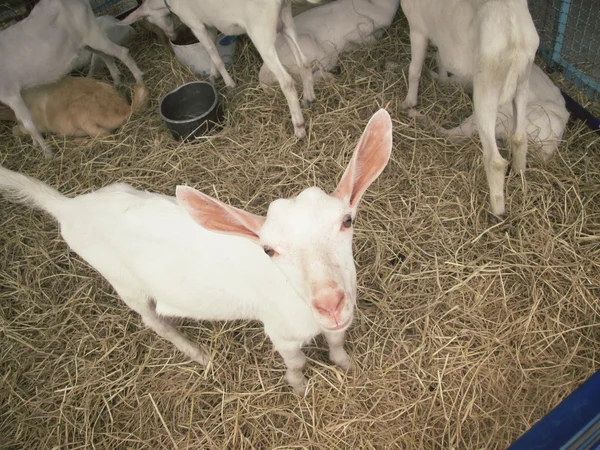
(465, 334)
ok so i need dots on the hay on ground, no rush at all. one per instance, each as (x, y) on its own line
(465, 333)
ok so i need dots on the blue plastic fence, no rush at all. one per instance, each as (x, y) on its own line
(570, 40)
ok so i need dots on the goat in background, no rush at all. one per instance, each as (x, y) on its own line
(491, 43)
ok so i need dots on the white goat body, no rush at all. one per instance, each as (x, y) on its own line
(260, 19)
(78, 106)
(116, 32)
(194, 256)
(325, 31)
(42, 48)
(491, 43)
(547, 114)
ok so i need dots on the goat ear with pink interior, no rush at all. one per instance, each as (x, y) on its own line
(214, 215)
(370, 157)
(136, 15)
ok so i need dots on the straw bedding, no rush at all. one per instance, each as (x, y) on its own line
(465, 333)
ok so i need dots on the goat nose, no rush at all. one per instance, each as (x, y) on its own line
(330, 303)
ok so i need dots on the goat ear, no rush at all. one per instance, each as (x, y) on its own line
(369, 159)
(215, 215)
(136, 15)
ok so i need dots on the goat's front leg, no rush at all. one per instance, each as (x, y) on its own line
(519, 135)
(418, 51)
(294, 359)
(208, 43)
(337, 354)
(23, 115)
(290, 35)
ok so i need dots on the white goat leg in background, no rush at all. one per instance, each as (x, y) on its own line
(194, 256)
(491, 43)
(260, 19)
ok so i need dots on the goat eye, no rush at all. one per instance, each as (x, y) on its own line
(268, 250)
(347, 223)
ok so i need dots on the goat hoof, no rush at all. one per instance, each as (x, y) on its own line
(406, 104)
(201, 358)
(495, 219)
(343, 362)
(300, 387)
(300, 132)
(307, 104)
(232, 90)
(48, 153)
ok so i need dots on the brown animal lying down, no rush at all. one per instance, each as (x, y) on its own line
(78, 106)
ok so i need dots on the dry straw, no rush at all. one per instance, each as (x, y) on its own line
(465, 335)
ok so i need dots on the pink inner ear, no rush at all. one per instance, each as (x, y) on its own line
(370, 158)
(215, 215)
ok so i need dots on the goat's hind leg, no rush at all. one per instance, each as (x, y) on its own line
(290, 35)
(207, 41)
(115, 73)
(485, 101)
(146, 308)
(97, 40)
(519, 135)
(263, 37)
(23, 115)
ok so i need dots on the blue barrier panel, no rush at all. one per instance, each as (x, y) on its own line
(573, 425)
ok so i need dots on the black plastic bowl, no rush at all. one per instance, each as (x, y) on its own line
(191, 110)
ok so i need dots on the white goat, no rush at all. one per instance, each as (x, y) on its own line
(328, 30)
(492, 43)
(547, 114)
(260, 19)
(196, 257)
(42, 48)
(116, 32)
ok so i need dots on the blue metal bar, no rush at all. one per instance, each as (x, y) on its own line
(575, 416)
(565, 6)
(581, 113)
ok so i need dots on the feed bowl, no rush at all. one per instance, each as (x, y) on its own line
(192, 53)
(191, 110)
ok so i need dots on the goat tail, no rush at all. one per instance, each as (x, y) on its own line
(23, 189)
(7, 114)
(139, 101)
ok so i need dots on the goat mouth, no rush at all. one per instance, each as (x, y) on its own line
(340, 326)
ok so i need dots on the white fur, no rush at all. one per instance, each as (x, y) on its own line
(42, 48)
(193, 256)
(260, 19)
(116, 32)
(325, 31)
(547, 115)
(491, 43)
